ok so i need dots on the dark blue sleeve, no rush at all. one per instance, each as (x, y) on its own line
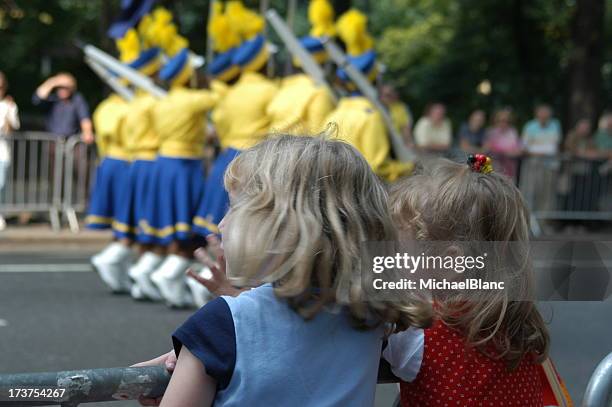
(37, 101)
(82, 108)
(210, 336)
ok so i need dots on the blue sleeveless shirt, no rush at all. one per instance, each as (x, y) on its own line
(262, 353)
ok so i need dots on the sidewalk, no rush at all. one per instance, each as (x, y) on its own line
(31, 238)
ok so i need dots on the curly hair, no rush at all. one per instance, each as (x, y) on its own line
(447, 201)
(301, 207)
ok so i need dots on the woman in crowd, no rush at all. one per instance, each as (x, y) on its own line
(9, 121)
(472, 133)
(503, 142)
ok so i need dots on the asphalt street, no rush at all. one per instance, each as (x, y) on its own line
(53, 320)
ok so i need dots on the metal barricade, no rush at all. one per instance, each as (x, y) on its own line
(599, 389)
(566, 188)
(34, 175)
(72, 388)
(79, 173)
(95, 385)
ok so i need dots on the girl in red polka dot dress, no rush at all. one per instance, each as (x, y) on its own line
(477, 353)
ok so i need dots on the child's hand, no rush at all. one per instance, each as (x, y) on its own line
(218, 284)
(169, 361)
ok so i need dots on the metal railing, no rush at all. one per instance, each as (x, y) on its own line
(71, 388)
(33, 180)
(599, 389)
(79, 173)
(566, 188)
(129, 383)
(47, 174)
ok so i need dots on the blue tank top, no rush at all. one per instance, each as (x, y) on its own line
(283, 360)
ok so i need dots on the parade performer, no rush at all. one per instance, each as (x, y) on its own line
(222, 74)
(301, 105)
(140, 145)
(357, 120)
(179, 121)
(240, 120)
(110, 181)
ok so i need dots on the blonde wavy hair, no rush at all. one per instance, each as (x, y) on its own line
(301, 207)
(447, 201)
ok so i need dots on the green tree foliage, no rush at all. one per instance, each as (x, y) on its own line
(433, 49)
(443, 49)
(38, 39)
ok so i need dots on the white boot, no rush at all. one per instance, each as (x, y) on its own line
(104, 253)
(111, 264)
(170, 279)
(2, 223)
(200, 294)
(141, 274)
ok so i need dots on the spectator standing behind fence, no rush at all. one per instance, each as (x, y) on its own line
(542, 135)
(433, 131)
(399, 112)
(578, 181)
(472, 133)
(503, 142)
(9, 121)
(579, 141)
(67, 110)
(603, 137)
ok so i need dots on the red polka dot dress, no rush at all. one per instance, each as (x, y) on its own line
(452, 374)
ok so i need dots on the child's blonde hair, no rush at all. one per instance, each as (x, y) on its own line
(301, 208)
(447, 201)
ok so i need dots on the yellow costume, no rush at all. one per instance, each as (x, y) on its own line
(179, 120)
(240, 116)
(107, 119)
(362, 126)
(141, 140)
(105, 200)
(300, 106)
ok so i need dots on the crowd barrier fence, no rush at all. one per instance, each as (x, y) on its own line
(79, 173)
(49, 174)
(33, 178)
(566, 188)
(53, 175)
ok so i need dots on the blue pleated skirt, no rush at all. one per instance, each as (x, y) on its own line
(216, 199)
(177, 192)
(137, 201)
(105, 199)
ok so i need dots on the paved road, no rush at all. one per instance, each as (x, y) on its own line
(53, 320)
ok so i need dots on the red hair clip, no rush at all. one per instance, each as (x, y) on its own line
(480, 163)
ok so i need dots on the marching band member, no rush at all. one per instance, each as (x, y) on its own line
(157, 31)
(179, 120)
(301, 105)
(140, 144)
(358, 121)
(240, 119)
(109, 181)
(222, 74)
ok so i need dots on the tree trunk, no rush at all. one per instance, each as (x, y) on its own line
(340, 6)
(107, 14)
(586, 60)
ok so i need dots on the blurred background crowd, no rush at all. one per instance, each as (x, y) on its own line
(512, 78)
